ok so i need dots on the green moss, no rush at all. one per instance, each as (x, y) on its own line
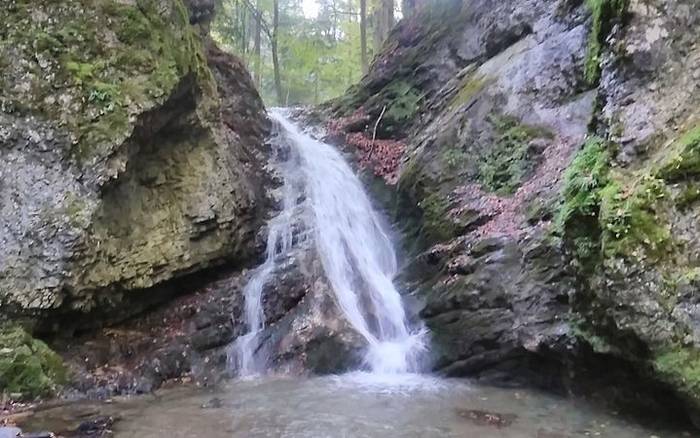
(81, 71)
(627, 216)
(28, 366)
(509, 160)
(603, 12)
(454, 158)
(684, 159)
(598, 343)
(680, 367)
(401, 101)
(630, 218)
(113, 59)
(470, 88)
(437, 225)
(688, 196)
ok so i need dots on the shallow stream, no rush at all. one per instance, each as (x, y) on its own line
(353, 405)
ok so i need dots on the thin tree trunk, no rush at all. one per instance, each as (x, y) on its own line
(275, 57)
(256, 48)
(363, 35)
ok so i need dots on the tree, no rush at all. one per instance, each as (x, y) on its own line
(274, 47)
(384, 21)
(297, 57)
(363, 36)
(256, 46)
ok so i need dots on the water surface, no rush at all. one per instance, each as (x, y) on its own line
(357, 405)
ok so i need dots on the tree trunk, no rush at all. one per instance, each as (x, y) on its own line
(384, 21)
(363, 36)
(273, 46)
(256, 48)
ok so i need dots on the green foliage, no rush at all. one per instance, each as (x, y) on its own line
(454, 158)
(319, 55)
(577, 217)
(583, 181)
(689, 196)
(685, 161)
(629, 218)
(402, 102)
(600, 211)
(509, 160)
(680, 366)
(603, 12)
(28, 366)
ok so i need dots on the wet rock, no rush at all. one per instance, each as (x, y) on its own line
(95, 427)
(485, 418)
(544, 433)
(214, 403)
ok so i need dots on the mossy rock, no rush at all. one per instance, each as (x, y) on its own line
(469, 89)
(509, 159)
(28, 366)
(92, 66)
(631, 218)
(604, 14)
(437, 224)
(621, 215)
(680, 367)
(684, 160)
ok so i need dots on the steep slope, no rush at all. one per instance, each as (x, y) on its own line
(543, 155)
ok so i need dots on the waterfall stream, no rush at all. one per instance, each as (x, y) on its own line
(357, 255)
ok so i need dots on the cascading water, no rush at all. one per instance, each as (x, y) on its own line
(356, 253)
(280, 239)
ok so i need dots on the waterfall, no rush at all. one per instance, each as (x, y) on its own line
(357, 255)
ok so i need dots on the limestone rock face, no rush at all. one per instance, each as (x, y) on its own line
(547, 188)
(130, 151)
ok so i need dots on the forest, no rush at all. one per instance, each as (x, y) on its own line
(305, 51)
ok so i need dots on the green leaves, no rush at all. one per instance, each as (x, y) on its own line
(319, 56)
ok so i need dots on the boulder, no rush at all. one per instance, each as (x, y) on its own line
(124, 160)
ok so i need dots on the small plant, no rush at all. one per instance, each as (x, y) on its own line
(583, 180)
(454, 158)
(509, 160)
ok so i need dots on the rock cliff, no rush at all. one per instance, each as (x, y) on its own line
(129, 155)
(542, 157)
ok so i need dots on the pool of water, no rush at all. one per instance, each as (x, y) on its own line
(353, 405)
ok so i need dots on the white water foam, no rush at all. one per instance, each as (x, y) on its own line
(357, 256)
